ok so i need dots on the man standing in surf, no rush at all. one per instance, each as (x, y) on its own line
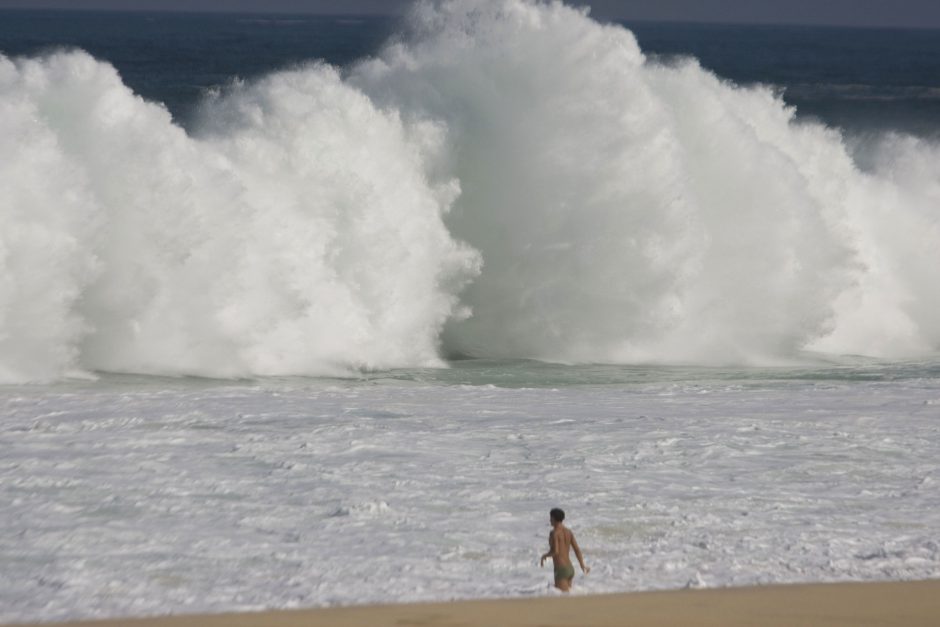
(560, 542)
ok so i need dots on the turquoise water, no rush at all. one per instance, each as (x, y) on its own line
(524, 374)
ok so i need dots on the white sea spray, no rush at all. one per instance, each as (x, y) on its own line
(299, 234)
(508, 179)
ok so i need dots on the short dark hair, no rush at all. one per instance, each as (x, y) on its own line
(557, 514)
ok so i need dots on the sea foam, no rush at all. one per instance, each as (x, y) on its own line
(298, 233)
(508, 178)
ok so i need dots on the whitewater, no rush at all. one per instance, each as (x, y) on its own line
(347, 334)
(510, 179)
(145, 496)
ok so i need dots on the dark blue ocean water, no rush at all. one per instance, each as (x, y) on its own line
(858, 79)
(175, 57)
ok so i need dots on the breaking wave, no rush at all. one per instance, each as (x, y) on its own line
(507, 179)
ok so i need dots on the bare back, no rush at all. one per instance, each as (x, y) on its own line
(559, 541)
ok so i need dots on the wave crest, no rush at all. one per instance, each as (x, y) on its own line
(509, 179)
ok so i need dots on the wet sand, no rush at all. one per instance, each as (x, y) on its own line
(908, 604)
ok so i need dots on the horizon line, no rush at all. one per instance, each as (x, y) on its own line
(401, 14)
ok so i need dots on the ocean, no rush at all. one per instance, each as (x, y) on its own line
(303, 311)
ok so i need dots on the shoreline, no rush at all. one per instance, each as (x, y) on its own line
(908, 604)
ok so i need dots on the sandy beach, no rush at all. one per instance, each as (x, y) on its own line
(908, 604)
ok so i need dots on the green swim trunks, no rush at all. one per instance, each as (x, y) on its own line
(564, 571)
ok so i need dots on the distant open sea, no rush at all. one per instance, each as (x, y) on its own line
(321, 310)
(859, 79)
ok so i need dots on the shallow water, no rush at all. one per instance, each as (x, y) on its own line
(136, 496)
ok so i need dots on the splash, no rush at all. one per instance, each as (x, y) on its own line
(509, 178)
(299, 233)
(628, 210)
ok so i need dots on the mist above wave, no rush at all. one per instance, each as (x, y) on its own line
(508, 179)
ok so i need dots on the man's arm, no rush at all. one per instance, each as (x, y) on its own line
(551, 548)
(577, 552)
